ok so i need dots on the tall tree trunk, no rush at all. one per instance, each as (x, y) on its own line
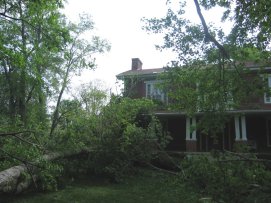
(11, 92)
(56, 112)
(22, 93)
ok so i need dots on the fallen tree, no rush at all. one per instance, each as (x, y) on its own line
(15, 179)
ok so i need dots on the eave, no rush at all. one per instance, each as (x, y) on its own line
(247, 112)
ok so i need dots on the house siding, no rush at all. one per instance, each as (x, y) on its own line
(134, 89)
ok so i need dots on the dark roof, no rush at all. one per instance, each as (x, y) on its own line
(142, 73)
(153, 72)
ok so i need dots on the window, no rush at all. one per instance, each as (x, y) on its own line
(267, 96)
(152, 92)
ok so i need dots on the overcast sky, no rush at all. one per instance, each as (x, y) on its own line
(119, 21)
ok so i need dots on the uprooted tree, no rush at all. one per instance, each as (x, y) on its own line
(124, 133)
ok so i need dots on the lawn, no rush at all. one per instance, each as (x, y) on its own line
(145, 186)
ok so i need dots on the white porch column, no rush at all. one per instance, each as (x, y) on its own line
(191, 138)
(194, 133)
(237, 127)
(244, 128)
(240, 128)
(191, 122)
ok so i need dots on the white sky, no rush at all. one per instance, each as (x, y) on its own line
(118, 21)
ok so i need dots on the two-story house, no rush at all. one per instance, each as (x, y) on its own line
(248, 125)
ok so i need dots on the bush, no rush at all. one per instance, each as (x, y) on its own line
(227, 178)
(126, 133)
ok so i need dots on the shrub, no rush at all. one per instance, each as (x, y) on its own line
(126, 133)
(227, 178)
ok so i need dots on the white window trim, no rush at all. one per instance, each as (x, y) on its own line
(267, 100)
(164, 97)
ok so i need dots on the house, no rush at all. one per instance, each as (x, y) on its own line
(248, 125)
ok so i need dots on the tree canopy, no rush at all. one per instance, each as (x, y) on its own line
(40, 50)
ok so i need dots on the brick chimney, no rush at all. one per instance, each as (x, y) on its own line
(136, 64)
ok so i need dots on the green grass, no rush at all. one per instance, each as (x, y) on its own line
(146, 186)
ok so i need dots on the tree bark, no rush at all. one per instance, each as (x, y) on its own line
(13, 180)
(22, 87)
(208, 36)
(56, 112)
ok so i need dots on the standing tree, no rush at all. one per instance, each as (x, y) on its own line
(93, 96)
(77, 56)
(39, 52)
(31, 35)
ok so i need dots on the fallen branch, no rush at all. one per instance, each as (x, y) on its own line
(170, 159)
(25, 162)
(160, 169)
(14, 133)
(249, 160)
(11, 181)
(244, 158)
(28, 142)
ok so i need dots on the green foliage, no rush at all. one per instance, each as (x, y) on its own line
(78, 56)
(30, 31)
(92, 96)
(228, 178)
(125, 134)
(13, 150)
(190, 41)
(48, 175)
(26, 150)
(75, 127)
(39, 52)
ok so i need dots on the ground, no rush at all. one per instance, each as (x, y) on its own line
(145, 186)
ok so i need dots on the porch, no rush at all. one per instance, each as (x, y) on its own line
(248, 128)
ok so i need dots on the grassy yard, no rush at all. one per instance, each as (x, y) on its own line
(146, 186)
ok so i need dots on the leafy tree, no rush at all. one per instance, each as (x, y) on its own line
(93, 96)
(77, 56)
(39, 53)
(31, 34)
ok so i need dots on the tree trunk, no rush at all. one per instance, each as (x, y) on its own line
(11, 92)
(56, 112)
(13, 180)
(22, 82)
